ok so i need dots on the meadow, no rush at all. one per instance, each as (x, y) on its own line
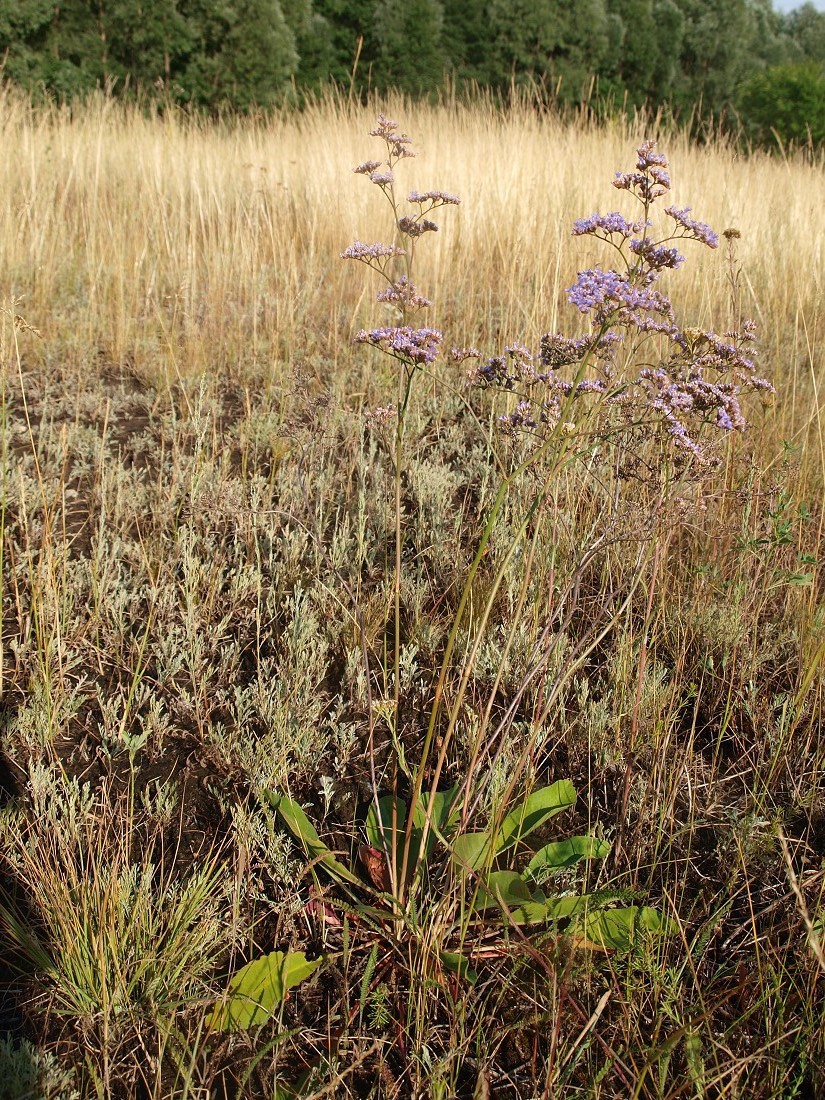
(272, 680)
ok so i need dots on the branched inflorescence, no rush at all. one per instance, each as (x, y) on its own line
(697, 379)
(414, 347)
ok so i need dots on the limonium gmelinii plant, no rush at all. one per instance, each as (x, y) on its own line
(414, 348)
(655, 396)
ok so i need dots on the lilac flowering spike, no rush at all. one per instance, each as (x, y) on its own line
(360, 251)
(458, 355)
(398, 144)
(404, 293)
(441, 198)
(690, 380)
(656, 256)
(651, 179)
(419, 346)
(608, 223)
(384, 128)
(606, 292)
(647, 158)
(416, 227)
(367, 168)
(383, 179)
(692, 228)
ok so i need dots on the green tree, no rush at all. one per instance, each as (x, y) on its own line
(805, 27)
(724, 42)
(670, 33)
(647, 59)
(241, 53)
(467, 41)
(565, 41)
(410, 54)
(144, 40)
(786, 102)
(53, 48)
(345, 33)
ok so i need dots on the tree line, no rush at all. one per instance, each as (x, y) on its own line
(700, 57)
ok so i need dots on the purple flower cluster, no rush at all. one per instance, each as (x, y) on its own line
(397, 144)
(419, 346)
(414, 347)
(436, 198)
(692, 228)
(656, 256)
(382, 179)
(611, 295)
(608, 224)
(700, 378)
(558, 351)
(416, 227)
(402, 292)
(651, 179)
(368, 252)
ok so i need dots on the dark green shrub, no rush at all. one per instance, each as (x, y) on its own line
(785, 103)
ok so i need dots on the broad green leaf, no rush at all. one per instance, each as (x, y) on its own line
(445, 811)
(565, 908)
(506, 888)
(379, 824)
(618, 929)
(503, 888)
(302, 829)
(458, 964)
(443, 819)
(471, 851)
(258, 988)
(537, 808)
(542, 910)
(566, 853)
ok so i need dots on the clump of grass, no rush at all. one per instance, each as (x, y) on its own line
(123, 944)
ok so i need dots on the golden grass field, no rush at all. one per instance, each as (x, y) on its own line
(185, 247)
(197, 553)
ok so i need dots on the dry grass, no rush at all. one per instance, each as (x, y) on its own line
(197, 535)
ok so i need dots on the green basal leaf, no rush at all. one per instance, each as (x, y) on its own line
(445, 811)
(379, 823)
(458, 964)
(537, 808)
(566, 853)
(258, 989)
(508, 887)
(619, 929)
(471, 851)
(510, 892)
(302, 829)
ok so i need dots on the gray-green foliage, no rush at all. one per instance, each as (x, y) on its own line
(27, 1073)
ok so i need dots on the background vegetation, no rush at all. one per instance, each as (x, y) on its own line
(722, 59)
(197, 562)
